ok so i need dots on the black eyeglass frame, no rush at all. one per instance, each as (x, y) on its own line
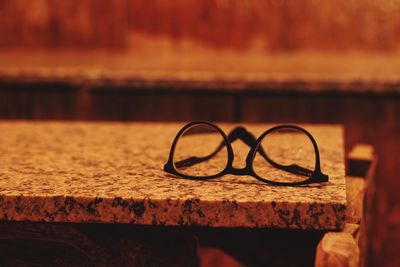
(316, 177)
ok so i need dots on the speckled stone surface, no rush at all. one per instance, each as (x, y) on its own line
(112, 173)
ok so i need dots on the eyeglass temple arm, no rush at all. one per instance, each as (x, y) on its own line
(250, 140)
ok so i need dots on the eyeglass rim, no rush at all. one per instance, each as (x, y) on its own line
(170, 167)
(316, 173)
(316, 177)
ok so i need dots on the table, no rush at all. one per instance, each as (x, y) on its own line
(90, 173)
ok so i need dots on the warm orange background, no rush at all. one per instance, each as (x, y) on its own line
(371, 25)
(355, 44)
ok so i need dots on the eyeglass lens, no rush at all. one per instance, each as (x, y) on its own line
(285, 147)
(200, 152)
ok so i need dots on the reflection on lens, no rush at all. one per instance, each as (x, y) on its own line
(285, 147)
(200, 152)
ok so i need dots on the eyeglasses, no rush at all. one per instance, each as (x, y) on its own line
(282, 155)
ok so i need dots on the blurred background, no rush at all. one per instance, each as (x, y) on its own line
(298, 61)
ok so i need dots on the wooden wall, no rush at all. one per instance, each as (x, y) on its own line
(369, 25)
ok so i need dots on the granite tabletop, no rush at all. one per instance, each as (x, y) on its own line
(112, 173)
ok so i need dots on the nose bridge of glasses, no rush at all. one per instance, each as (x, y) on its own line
(239, 171)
